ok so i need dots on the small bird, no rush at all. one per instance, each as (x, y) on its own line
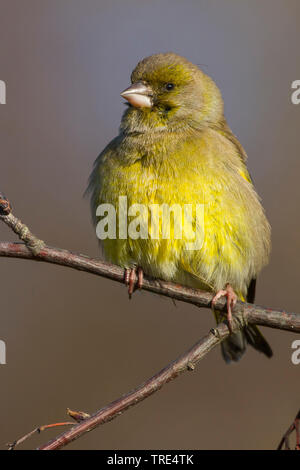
(175, 148)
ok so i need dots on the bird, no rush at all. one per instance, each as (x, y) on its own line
(175, 149)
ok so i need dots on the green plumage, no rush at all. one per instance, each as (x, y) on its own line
(181, 151)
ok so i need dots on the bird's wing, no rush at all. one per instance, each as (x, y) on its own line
(224, 129)
(94, 182)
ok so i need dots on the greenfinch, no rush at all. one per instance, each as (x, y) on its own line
(175, 148)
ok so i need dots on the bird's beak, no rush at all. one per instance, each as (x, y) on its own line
(139, 95)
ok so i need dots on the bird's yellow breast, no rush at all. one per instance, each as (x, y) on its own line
(202, 171)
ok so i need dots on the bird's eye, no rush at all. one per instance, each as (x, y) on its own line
(170, 86)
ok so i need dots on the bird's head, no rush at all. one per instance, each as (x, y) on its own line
(169, 93)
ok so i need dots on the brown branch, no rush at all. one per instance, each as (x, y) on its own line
(34, 249)
(23, 232)
(77, 416)
(252, 313)
(295, 426)
(186, 362)
(38, 430)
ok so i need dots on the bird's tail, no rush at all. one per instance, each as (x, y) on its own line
(234, 346)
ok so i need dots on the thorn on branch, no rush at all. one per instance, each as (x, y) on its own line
(78, 416)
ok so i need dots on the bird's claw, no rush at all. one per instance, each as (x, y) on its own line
(133, 276)
(231, 301)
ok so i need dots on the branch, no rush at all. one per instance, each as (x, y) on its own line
(38, 430)
(77, 416)
(256, 314)
(34, 249)
(295, 426)
(184, 363)
(23, 232)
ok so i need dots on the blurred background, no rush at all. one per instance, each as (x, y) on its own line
(73, 339)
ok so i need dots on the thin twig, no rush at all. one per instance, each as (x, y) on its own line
(184, 363)
(23, 232)
(78, 416)
(285, 440)
(38, 430)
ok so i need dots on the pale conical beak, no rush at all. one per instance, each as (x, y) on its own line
(139, 95)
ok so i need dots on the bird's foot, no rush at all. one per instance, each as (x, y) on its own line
(132, 277)
(231, 301)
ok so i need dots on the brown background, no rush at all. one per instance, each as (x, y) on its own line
(74, 340)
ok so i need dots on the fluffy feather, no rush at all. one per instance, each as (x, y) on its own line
(181, 151)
